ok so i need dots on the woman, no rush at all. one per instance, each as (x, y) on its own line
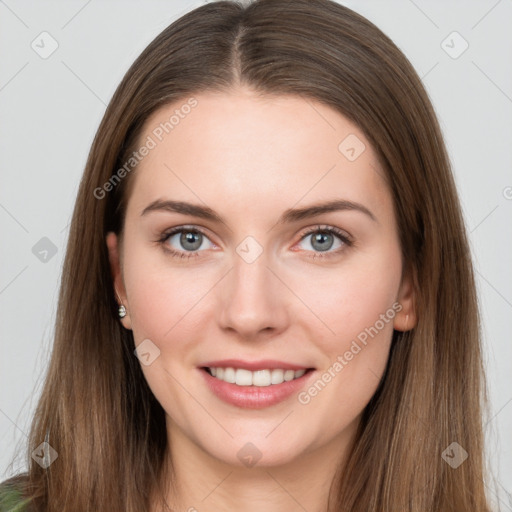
(317, 346)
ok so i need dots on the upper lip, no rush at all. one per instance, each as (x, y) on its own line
(265, 364)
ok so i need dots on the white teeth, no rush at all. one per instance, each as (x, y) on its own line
(229, 375)
(261, 378)
(289, 375)
(243, 377)
(277, 376)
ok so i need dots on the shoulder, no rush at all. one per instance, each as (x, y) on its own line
(11, 496)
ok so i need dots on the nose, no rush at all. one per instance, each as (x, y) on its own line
(254, 302)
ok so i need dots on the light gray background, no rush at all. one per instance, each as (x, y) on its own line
(50, 109)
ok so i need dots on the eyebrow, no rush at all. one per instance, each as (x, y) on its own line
(288, 216)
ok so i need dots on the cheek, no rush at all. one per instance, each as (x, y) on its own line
(352, 298)
(357, 304)
(160, 295)
(165, 307)
(165, 304)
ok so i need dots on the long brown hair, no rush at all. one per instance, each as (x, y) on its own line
(96, 409)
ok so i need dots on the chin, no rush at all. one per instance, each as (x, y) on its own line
(255, 452)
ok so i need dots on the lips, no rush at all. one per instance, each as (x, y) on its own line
(254, 384)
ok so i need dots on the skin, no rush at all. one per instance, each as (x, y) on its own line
(250, 158)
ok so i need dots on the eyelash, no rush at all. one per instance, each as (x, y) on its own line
(317, 229)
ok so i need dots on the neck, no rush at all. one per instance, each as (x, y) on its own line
(203, 483)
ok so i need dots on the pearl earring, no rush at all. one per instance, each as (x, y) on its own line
(122, 310)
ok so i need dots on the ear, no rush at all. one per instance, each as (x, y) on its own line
(406, 318)
(112, 241)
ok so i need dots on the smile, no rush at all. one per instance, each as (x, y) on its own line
(257, 386)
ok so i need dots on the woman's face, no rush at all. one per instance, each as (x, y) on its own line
(226, 263)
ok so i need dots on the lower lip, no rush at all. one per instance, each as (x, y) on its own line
(254, 397)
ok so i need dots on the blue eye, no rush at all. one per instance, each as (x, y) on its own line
(191, 240)
(323, 238)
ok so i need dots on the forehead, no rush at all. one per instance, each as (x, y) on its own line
(246, 147)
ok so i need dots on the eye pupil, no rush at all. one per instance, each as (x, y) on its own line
(321, 238)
